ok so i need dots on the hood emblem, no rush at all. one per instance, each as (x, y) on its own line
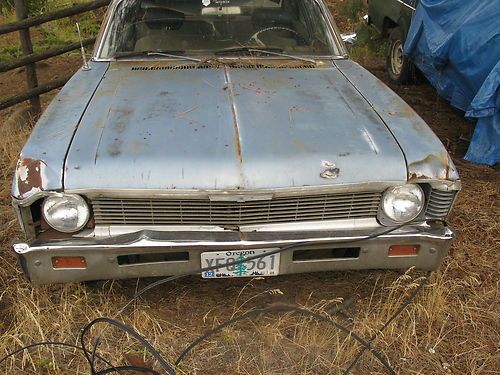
(331, 171)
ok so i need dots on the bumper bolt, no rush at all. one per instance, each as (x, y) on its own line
(38, 262)
(432, 250)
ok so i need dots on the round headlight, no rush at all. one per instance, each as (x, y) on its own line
(65, 212)
(403, 203)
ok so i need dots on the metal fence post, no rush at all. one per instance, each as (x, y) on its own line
(27, 49)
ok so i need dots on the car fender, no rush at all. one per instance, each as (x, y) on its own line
(40, 166)
(426, 157)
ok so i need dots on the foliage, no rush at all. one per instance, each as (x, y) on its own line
(369, 42)
(35, 7)
(9, 52)
(369, 48)
(6, 6)
(49, 35)
(352, 8)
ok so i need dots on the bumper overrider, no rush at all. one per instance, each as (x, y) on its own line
(157, 253)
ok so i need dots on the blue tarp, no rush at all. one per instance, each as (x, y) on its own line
(456, 45)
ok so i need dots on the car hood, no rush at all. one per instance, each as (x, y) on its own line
(149, 126)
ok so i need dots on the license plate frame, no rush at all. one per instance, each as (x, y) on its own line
(262, 267)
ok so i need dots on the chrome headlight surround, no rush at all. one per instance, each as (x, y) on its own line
(67, 213)
(401, 204)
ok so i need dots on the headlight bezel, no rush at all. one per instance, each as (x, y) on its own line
(385, 219)
(77, 199)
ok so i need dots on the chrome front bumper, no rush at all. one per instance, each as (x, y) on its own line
(102, 256)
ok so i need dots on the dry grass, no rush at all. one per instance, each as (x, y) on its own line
(452, 328)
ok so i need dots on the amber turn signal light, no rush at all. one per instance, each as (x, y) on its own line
(403, 250)
(69, 262)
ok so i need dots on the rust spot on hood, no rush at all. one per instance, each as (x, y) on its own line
(237, 145)
(236, 136)
(29, 176)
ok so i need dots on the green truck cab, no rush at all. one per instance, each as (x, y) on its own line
(392, 19)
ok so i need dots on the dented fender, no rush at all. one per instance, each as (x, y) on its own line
(437, 166)
(41, 164)
(426, 157)
(31, 177)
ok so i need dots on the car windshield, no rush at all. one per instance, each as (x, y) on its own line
(220, 27)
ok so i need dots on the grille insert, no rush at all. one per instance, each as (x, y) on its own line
(143, 211)
(439, 203)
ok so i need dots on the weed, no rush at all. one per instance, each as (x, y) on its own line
(369, 38)
(352, 8)
(10, 52)
(369, 49)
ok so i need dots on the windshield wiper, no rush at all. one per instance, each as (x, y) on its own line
(268, 51)
(245, 49)
(171, 54)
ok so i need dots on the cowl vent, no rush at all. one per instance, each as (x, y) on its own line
(171, 67)
(231, 66)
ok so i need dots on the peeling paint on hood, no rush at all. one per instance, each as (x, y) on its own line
(228, 128)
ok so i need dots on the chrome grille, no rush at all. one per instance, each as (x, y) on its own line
(439, 203)
(145, 211)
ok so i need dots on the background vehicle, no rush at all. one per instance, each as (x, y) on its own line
(392, 19)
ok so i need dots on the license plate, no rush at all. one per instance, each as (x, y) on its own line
(266, 266)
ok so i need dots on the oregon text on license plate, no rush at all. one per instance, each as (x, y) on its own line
(266, 266)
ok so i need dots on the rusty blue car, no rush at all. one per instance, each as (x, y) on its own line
(206, 132)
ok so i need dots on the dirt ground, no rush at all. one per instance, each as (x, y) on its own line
(452, 328)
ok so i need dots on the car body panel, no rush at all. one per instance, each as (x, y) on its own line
(228, 128)
(426, 157)
(41, 163)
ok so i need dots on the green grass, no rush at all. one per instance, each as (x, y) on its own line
(369, 46)
(9, 52)
(352, 8)
(368, 42)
